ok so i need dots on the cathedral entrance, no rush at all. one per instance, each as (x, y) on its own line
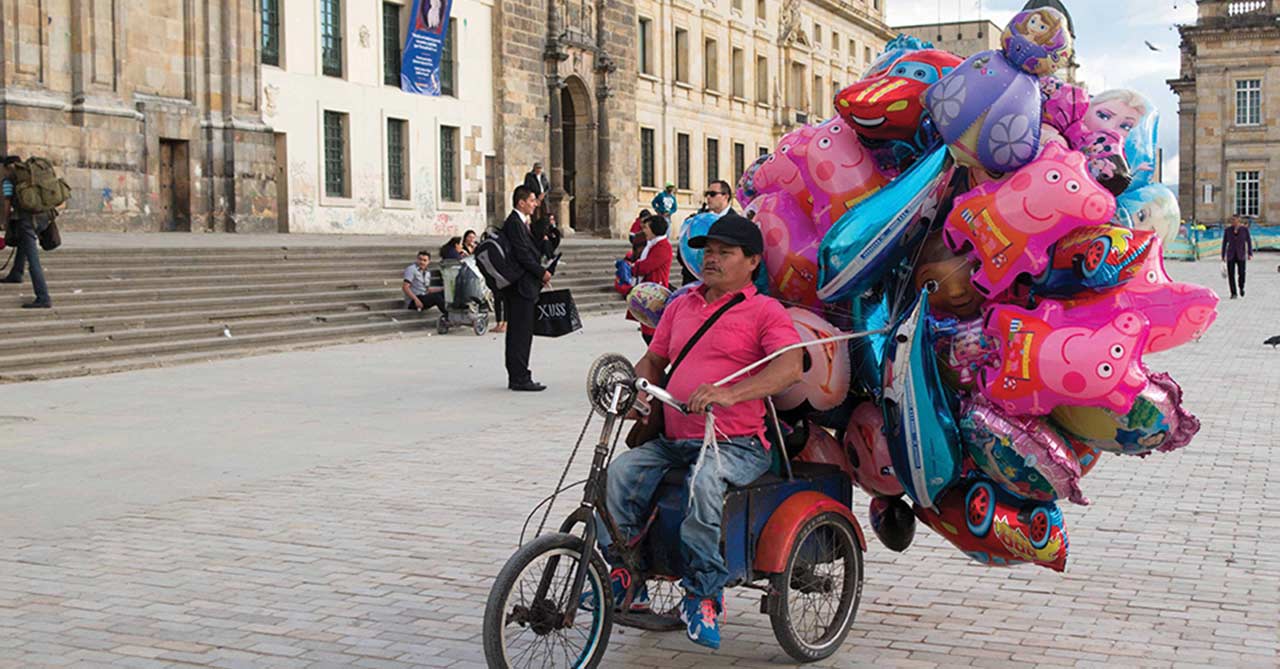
(578, 158)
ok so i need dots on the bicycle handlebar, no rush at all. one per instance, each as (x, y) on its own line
(661, 395)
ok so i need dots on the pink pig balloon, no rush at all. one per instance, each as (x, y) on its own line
(1178, 312)
(822, 448)
(868, 451)
(1090, 355)
(838, 169)
(780, 173)
(790, 248)
(1010, 224)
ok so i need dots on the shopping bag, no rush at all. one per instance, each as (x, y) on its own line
(556, 315)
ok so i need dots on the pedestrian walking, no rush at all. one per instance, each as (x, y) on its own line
(522, 295)
(664, 203)
(537, 184)
(22, 228)
(1237, 249)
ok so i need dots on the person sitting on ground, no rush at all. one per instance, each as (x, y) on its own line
(750, 328)
(419, 291)
(452, 249)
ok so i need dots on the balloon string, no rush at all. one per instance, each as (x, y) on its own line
(769, 358)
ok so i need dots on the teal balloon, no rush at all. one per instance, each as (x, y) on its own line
(694, 226)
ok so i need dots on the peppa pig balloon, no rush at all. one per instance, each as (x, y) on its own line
(822, 448)
(1086, 356)
(694, 226)
(1178, 312)
(870, 239)
(1093, 258)
(790, 249)
(888, 106)
(825, 383)
(1157, 421)
(1011, 225)
(837, 169)
(779, 173)
(996, 529)
(1151, 207)
(868, 451)
(1024, 455)
(921, 431)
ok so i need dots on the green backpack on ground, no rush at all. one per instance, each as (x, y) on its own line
(37, 188)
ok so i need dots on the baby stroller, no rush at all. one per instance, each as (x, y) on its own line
(465, 295)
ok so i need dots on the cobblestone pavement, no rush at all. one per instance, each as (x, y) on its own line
(383, 556)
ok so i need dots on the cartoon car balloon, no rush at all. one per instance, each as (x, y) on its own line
(888, 106)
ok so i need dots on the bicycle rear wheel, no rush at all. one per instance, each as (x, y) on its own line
(523, 629)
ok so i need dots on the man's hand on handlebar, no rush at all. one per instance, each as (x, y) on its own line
(708, 394)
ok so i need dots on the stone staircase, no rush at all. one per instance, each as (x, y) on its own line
(127, 308)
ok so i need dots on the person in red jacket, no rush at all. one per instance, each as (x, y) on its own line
(654, 262)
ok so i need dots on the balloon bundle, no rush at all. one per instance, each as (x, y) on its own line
(992, 235)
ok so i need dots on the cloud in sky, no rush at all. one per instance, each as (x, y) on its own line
(1109, 45)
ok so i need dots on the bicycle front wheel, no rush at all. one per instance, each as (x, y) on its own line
(524, 619)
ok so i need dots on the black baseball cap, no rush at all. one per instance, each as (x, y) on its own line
(733, 229)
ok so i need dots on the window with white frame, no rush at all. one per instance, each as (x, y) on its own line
(337, 174)
(1248, 102)
(646, 45)
(710, 65)
(1248, 192)
(449, 187)
(682, 161)
(713, 159)
(682, 55)
(762, 79)
(397, 159)
(739, 73)
(647, 178)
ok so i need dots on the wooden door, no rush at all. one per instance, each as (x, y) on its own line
(175, 186)
(282, 183)
(165, 205)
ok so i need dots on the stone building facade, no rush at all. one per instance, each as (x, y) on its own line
(355, 153)
(564, 95)
(151, 109)
(718, 82)
(963, 38)
(1228, 87)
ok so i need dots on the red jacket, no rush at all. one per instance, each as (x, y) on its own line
(656, 266)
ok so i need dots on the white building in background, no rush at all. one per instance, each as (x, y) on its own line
(354, 153)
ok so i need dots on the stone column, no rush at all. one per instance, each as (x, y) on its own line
(605, 198)
(557, 203)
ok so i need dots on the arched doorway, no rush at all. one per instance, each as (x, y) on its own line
(578, 146)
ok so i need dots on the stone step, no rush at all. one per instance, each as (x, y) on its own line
(149, 258)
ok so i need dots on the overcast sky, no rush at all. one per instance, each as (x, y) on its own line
(1109, 46)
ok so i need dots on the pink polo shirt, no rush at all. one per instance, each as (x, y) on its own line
(751, 330)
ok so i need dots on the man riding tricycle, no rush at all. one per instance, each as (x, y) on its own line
(695, 499)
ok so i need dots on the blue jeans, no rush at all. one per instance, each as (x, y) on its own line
(28, 253)
(634, 476)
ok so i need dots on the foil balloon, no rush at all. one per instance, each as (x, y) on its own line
(1151, 207)
(822, 448)
(946, 275)
(694, 226)
(1063, 112)
(988, 112)
(996, 529)
(779, 173)
(1157, 421)
(1094, 258)
(837, 169)
(963, 350)
(868, 451)
(894, 50)
(893, 522)
(1024, 455)
(694, 285)
(1010, 226)
(647, 301)
(746, 191)
(790, 249)
(922, 435)
(825, 383)
(888, 106)
(1120, 112)
(1038, 41)
(870, 314)
(1178, 312)
(1088, 355)
(870, 239)
(1086, 455)
(1104, 151)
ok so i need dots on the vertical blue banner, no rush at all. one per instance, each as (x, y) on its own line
(420, 64)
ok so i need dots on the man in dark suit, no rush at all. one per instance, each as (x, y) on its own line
(537, 184)
(522, 295)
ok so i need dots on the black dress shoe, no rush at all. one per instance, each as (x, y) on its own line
(527, 386)
(11, 279)
(38, 305)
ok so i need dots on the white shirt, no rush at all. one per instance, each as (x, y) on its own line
(722, 212)
(524, 218)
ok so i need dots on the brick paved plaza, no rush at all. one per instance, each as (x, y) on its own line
(349, 507)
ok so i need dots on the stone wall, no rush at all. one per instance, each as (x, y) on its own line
(96, 84)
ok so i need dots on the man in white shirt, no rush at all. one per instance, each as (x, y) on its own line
(418, 291)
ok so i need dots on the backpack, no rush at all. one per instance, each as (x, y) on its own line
(493, 257)
(37, 188)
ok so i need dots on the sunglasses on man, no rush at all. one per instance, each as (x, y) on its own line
(713, 192)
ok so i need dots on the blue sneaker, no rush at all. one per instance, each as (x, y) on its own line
(702, 619)
(619, 581)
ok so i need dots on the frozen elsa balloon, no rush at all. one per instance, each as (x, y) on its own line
(1151, 207)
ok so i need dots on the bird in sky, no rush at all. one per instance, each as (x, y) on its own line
(1151, 46)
